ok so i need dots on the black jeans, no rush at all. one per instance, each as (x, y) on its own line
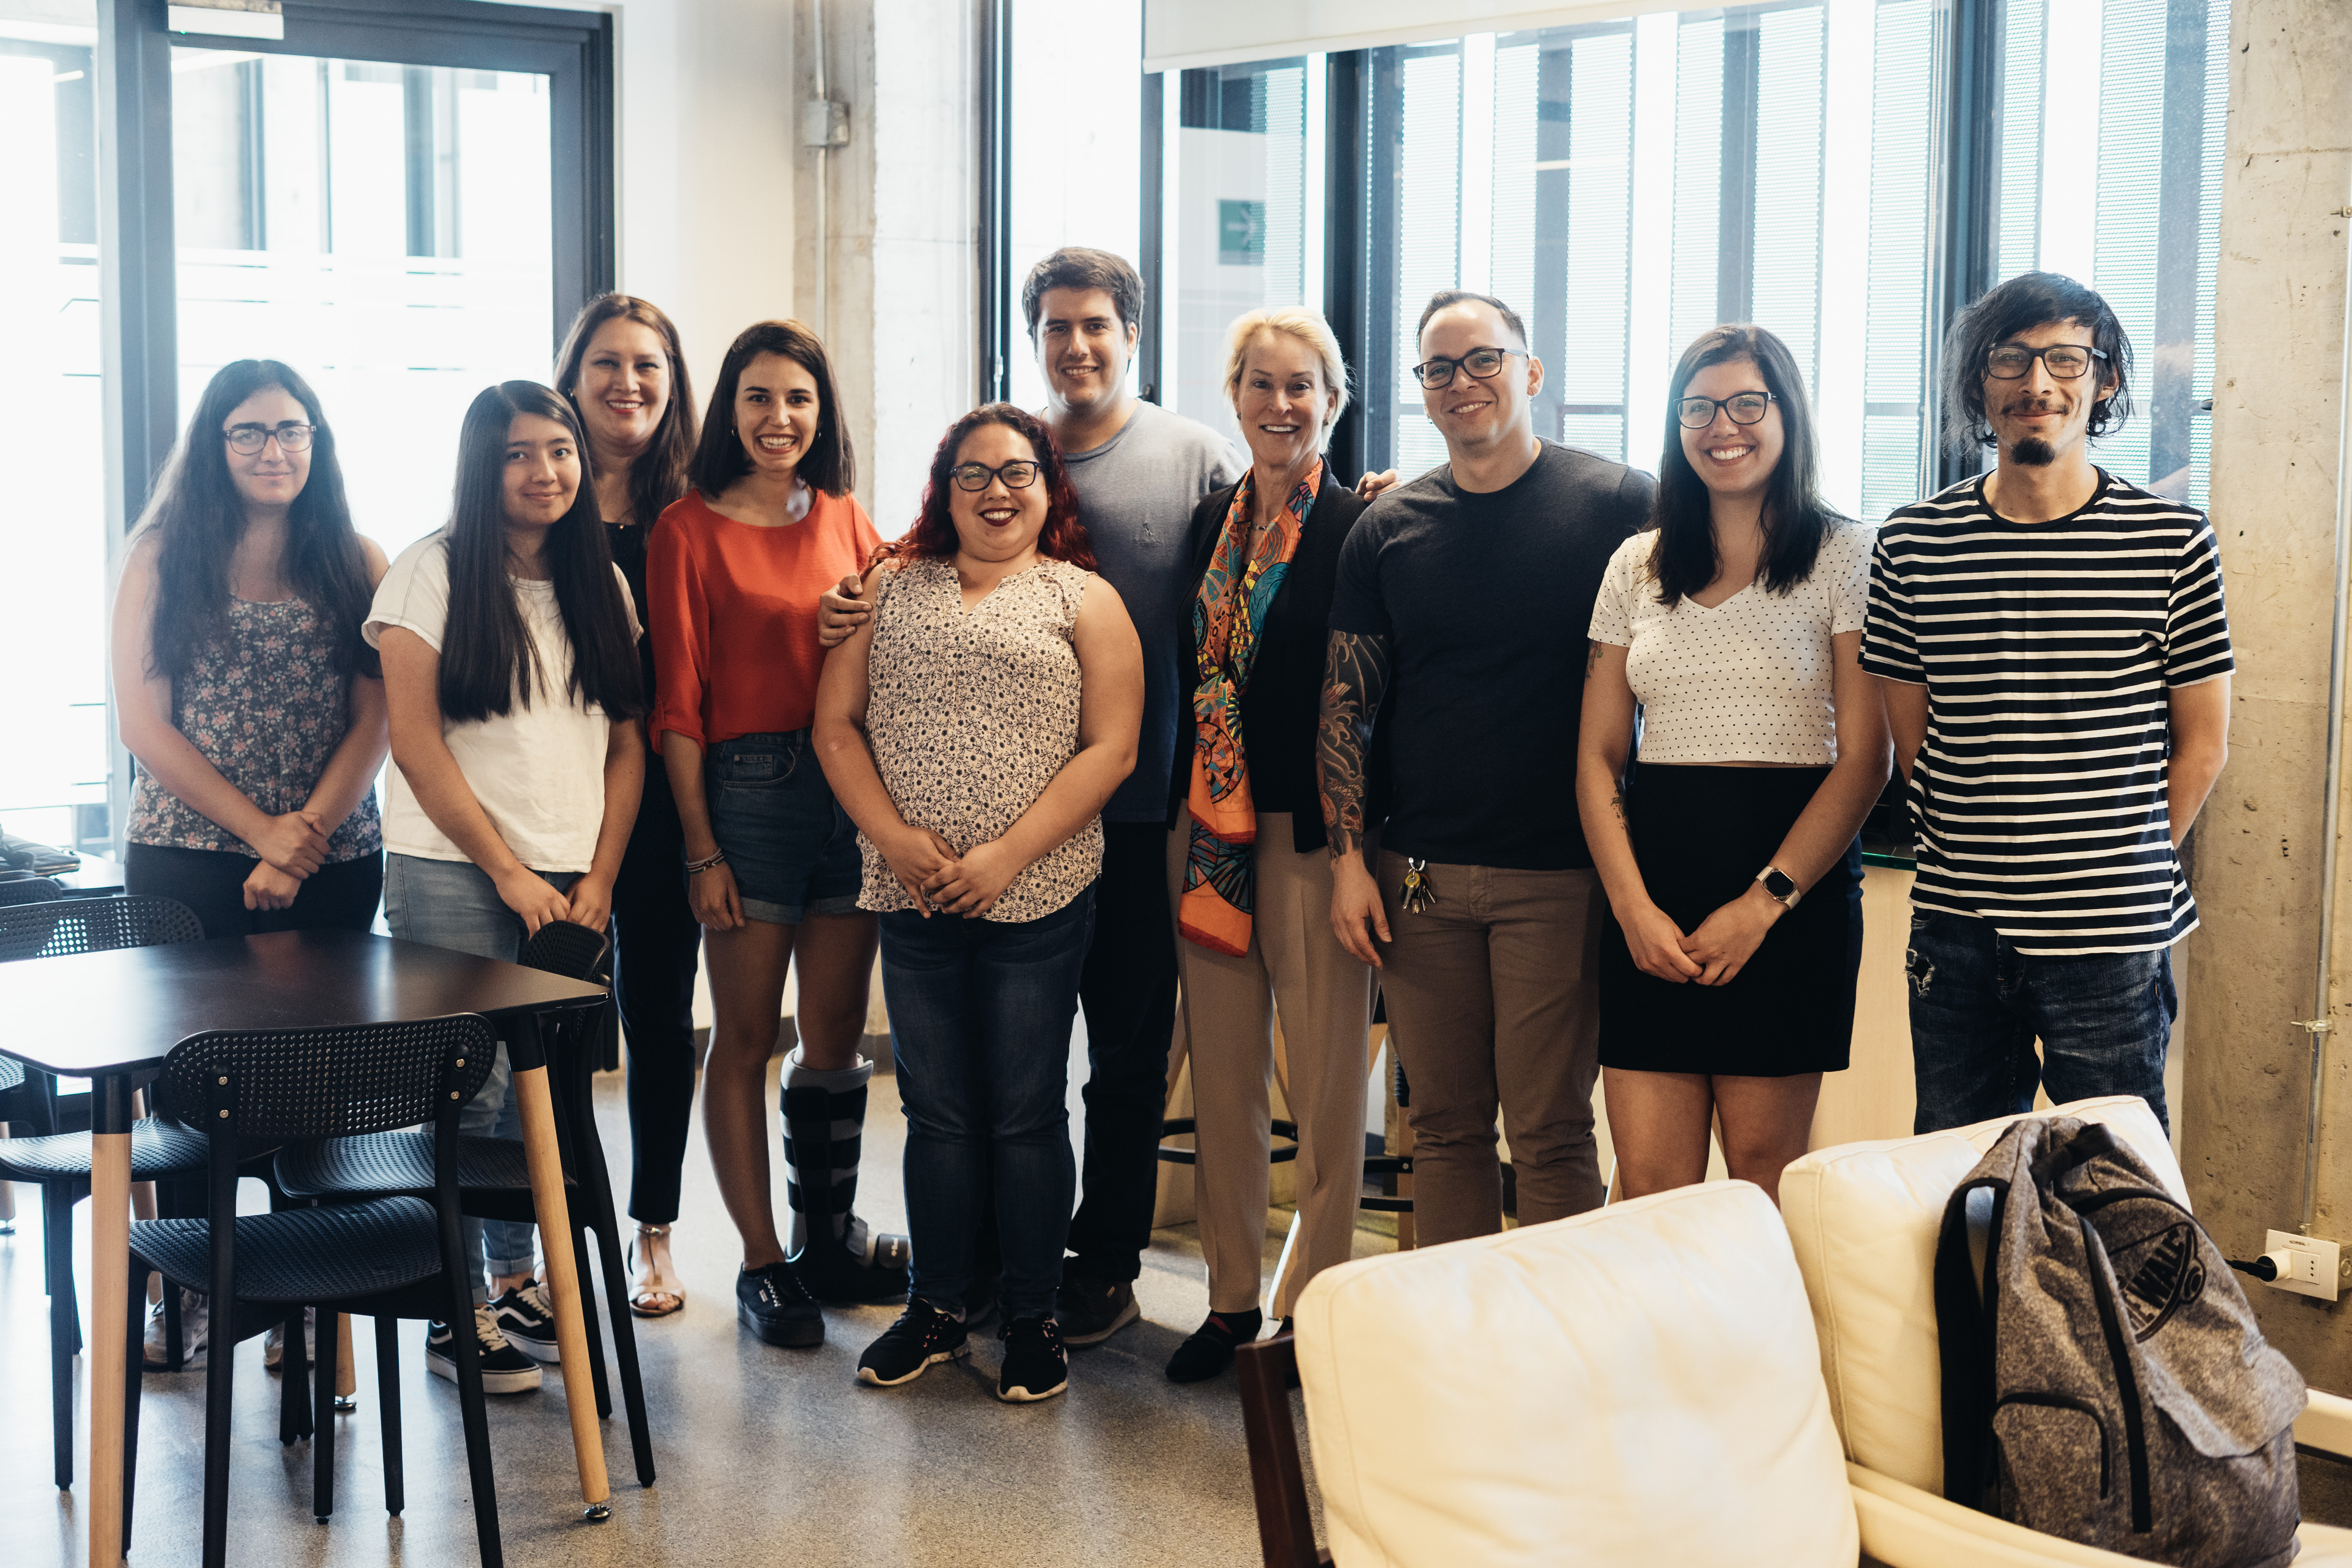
(340, 896)
(1128, 991)
(659, 945)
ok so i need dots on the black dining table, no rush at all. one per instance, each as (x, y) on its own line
(112, 1017)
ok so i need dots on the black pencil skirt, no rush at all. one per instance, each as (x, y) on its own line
(1701, 834)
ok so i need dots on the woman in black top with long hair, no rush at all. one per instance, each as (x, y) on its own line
(623, 370)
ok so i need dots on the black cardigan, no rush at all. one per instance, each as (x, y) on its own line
(1288, 678)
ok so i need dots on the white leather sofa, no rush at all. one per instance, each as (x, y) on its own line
(1655, 1383)
(1863, 1219)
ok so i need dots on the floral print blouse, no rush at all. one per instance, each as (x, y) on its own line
(267, 707)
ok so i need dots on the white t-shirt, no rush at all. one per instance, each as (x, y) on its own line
(538, 771)
(1749, 680)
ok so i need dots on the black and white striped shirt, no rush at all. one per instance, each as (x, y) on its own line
(2048, 651)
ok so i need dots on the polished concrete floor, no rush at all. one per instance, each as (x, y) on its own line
(765, 1454)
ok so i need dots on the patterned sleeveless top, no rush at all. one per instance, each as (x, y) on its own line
(972, 715)
(264, 705)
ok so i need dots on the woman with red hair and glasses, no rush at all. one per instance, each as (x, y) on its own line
(972, 728)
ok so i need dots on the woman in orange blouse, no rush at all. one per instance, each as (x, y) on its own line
(772, 863)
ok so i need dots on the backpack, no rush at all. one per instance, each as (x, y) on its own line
(2108, 1384)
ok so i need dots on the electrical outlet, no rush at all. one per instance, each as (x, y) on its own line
(2308, 1264)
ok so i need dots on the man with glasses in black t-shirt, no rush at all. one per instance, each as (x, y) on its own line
(2055, 655)
(1460, 603)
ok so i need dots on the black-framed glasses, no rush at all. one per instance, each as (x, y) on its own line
(2066, 361)
(1018, 475)
(251, 438)
(1483, 364)
(1744, 408)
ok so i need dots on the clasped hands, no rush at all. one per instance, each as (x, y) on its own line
(1710, 955)
(291, 847)
(943, 882)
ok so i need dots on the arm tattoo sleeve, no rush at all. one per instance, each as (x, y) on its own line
(1355, 676)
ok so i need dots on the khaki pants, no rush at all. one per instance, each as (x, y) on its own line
(1494, 1000)
(1298, 968)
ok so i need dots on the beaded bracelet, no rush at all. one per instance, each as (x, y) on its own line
(718, 857)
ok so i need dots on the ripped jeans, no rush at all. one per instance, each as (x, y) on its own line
(2105, 1021)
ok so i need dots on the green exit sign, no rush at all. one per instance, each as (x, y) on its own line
(1241, 234)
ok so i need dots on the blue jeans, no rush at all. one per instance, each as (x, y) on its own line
(791, 848)
(2105, 1021)
(980, 1025)
(453, 904)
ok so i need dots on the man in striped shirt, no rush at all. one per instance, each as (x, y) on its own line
(2055, 657)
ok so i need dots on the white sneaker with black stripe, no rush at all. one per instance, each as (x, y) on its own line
(505, 1370)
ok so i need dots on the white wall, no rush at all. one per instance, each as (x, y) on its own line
(706, 142)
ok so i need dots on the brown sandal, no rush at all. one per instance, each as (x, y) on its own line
(653, 1293)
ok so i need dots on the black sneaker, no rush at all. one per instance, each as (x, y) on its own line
(505, 1370)
(527, 1317)
(771, 1303)
(921, 1338)
(1090, 1310)
(1210, 1350)
(1036, 1367)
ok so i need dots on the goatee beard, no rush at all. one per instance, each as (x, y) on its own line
(2033, 452)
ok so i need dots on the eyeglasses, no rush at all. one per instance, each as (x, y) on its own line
(2067, 361)
(1017, 475)
(251, 438)
(1484, 364)
(1744, 408)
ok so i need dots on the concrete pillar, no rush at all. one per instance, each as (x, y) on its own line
(833, 266)
(2279, 334)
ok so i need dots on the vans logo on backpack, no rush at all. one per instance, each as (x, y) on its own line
(2167, 1277)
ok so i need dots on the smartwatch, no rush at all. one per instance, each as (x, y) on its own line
(1779, 884)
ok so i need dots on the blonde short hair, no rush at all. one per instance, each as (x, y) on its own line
(1298, 321)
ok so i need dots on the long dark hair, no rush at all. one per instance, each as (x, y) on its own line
(487, 660)
(658, 476)
(1685, 559)
(199, 516)
(720, 459)
(2027, 301)
(933, 537)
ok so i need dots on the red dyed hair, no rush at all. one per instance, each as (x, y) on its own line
(1064, 537)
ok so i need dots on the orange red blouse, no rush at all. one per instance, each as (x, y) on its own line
(734, 615)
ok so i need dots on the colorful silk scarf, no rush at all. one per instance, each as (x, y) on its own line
(1220, 883)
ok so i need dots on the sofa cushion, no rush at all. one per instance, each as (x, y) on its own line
(1636, 1384)
(1863, 1219)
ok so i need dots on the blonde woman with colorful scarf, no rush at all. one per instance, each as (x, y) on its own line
(1249, 868)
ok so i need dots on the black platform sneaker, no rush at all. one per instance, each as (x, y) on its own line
(771, 1303)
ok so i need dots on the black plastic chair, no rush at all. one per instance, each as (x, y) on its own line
(494, 1180)
(389, 1259)
(60, 1161)
(30, 891)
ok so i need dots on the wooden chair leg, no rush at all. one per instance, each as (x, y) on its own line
(387, 1400)
(1268, 1370)
(322, 1404)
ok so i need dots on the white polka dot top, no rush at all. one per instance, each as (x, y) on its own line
(1747, 682)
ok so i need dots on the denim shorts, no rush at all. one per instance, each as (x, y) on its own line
(791, 847)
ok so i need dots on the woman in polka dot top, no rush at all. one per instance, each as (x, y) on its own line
(1730, 748)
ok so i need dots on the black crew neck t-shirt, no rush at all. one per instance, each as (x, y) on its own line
(1484, 599)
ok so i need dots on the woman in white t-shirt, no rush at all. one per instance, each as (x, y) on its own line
(509, 649)
(1727, 637)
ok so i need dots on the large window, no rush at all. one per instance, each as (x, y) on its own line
(402, 207)
(1626, 184)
